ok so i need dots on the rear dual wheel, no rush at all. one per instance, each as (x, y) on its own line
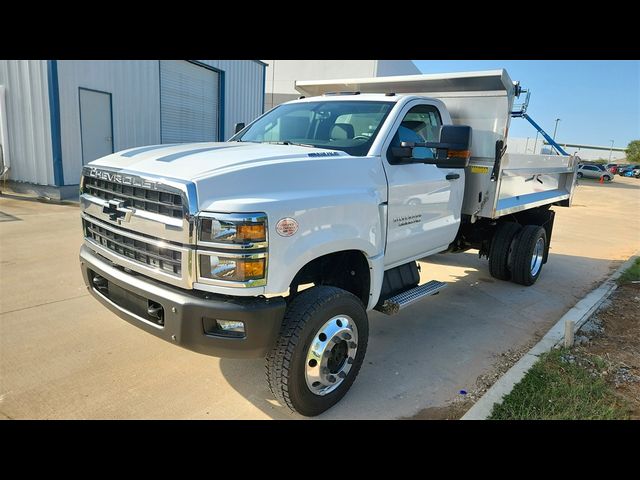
(501, 249)
(517, 253)
(528, 255)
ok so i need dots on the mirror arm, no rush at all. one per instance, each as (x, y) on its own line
(444, 146)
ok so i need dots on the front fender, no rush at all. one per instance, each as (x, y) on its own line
(338, 203)
(353, 225)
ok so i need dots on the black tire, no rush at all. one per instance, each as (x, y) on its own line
(523, 249)
(285, 364)
(607, 178)
(579, 174)
(500, 250)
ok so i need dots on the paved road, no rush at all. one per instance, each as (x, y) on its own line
(62, 355)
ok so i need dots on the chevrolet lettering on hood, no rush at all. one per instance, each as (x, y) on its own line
(131, 180)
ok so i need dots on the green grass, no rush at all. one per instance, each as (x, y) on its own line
(631, 274)
(555, 390)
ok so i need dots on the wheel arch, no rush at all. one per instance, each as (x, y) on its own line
(349, 269)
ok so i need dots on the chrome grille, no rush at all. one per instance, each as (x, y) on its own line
(155, 201)
(165, 259)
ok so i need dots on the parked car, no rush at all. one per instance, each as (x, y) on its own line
(612, 167)
(628, 172)
(594, 171)
(622, 171)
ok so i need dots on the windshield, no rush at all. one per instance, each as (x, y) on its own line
(337, 125)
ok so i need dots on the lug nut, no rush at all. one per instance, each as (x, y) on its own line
(346, 336)
(353, 344)
(342, 375)
(331, 378)
(350, 360)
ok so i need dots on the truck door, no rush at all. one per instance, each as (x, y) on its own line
(424, 201)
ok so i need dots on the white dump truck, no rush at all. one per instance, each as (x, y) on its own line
(278, 242)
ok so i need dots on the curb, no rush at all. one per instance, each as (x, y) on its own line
(579, 314)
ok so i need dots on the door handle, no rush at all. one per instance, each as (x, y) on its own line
(452, 176)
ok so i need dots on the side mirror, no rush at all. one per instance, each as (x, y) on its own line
(452, 151)
(238, 127)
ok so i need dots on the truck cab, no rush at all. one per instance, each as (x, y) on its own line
(280, 241)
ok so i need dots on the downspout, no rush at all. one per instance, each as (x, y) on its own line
(4, 135)
(54, 113)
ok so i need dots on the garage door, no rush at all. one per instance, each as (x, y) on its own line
(189, 97)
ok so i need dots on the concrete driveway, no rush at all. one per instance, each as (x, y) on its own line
(62, 355)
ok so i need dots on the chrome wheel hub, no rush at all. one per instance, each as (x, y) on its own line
(331, 355)
(536, 259)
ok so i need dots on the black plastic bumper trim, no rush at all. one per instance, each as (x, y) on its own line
(184, 312)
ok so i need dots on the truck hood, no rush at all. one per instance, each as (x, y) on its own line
(198, 161)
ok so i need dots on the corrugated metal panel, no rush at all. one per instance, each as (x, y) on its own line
(135, 90)
(188, 102)
(29, 128)
(243, 89)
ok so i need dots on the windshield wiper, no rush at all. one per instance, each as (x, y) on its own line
(288, 142)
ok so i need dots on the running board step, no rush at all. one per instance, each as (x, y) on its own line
(393, 305)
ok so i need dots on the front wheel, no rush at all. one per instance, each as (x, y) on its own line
(320, 350)
(579, 174)
(607, 178)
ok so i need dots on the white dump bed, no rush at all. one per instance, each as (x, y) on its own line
(484, 101)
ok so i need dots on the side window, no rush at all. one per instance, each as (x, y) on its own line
(420, 124)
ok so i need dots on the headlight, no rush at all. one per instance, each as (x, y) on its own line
(243, 268)
(232, 249)
(247, 230)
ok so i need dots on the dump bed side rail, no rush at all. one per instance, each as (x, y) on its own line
(522, 181)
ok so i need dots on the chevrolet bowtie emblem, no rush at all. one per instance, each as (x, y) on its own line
(117, 210)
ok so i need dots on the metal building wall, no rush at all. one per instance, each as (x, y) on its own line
(29, 126)
(135, 94)
(243, 91)
(135, 89)
(388, 68)
(282, 74)
(134, 86)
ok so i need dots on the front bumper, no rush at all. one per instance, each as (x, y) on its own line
(186, 315)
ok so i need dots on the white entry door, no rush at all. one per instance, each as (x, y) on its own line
(95, 124)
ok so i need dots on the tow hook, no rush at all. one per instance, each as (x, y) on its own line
(155, 310)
